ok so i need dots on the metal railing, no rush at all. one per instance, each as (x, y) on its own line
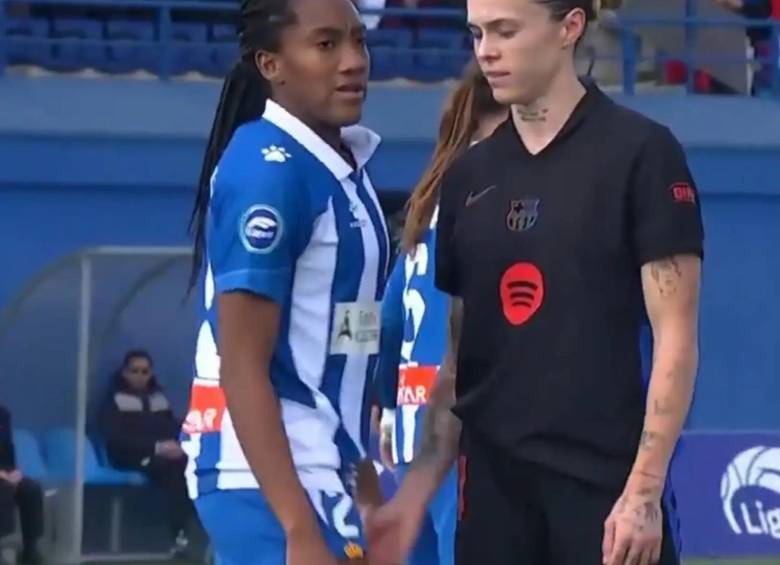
(630, 56)
(692, 25)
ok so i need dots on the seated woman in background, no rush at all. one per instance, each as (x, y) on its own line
(141, 434)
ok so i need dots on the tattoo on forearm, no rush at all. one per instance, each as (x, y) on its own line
(435, 420)
(440, 424)
(667, 275)
(663, 407)
(648, 440)
(647, 475)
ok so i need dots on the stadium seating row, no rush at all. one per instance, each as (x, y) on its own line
(53, 460)
(121, 45)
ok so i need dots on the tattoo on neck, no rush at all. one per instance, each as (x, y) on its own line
(530, 114)
(666, 274)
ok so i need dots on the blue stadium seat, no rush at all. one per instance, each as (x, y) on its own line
(101, 471)
(59, 446)
(224, 37)
(190, 49)
(29, 459)
(127, 57)
(60, 449)
(442, 54)
(390, 55)
(79, 45)
(23, 49)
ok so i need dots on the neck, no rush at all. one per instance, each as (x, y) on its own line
(329, 134)
(539, 121)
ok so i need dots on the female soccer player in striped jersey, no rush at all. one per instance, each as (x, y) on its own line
(414, 313)
(295, 250)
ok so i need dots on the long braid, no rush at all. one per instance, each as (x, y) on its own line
(243, 97)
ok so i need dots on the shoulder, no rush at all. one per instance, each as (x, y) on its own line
(263, 163)
(629, 129)
(257, 150)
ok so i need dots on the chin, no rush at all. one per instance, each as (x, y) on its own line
(504, 96)
(349, 116)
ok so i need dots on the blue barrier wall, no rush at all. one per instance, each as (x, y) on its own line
(114, 162)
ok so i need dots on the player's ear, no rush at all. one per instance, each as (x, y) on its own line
(270, 66)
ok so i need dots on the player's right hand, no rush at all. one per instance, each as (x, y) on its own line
(392, 531)
(308, 549)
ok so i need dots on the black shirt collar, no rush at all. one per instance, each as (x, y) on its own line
(586, 107)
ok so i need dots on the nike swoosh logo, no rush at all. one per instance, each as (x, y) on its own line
(475, 196)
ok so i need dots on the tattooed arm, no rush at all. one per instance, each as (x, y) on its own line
(441, 428)
(671, 290)
(393, 529)
(633, 531)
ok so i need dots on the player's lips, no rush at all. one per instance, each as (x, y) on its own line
(356, 90)
(497, 77)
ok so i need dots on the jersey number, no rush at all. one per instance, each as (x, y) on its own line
(341, 514)
(414, 305)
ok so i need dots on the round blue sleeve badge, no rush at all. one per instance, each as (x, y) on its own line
(260, 229)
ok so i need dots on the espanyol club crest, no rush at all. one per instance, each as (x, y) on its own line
(522, 214)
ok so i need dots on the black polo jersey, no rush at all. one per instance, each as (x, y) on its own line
(545, 250)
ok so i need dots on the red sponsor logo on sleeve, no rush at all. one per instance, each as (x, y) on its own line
(683, 193)
(207, 408)
(415, 384)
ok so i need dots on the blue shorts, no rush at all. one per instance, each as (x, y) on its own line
(244, 530)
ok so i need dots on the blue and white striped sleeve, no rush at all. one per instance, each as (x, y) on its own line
(258, 227)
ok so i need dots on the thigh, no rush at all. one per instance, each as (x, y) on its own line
(494, 524)
(242, 528)
(340, 523)
(576, 512)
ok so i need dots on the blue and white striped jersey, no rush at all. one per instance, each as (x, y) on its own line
(414, 340)
(292, 221)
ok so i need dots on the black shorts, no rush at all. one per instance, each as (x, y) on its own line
(519, 513)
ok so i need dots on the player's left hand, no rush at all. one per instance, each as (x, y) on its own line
(633, 532)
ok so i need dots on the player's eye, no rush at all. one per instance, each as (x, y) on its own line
(326, 44)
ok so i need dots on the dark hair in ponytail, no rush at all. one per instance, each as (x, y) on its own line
(243, 98)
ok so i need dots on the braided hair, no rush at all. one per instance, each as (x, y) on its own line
(243, 98)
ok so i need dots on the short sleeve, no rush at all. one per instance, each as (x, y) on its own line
(665, 207)
(392, 336)
(259, 225)
(447, 277)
